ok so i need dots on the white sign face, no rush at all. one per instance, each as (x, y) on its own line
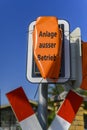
(33, 74)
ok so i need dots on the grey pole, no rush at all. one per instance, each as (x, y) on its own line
(42, 105)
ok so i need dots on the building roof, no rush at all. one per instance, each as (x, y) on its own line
(35, 103)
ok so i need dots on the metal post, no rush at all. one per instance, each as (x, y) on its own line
(42, 105)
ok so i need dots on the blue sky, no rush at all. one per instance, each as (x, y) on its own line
(15, 16)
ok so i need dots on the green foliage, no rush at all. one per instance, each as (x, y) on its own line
(85, 105)
(82, 92)
(50, 117)
(53, 91)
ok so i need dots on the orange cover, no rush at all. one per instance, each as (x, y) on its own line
(84, 66)
(47, 43)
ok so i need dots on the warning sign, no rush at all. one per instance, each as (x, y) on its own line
(33, 72)
(47, 43)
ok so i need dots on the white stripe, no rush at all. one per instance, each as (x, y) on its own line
(30, 123)
(59, 124)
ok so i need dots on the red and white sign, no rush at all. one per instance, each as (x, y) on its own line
(67, 112)
(23, 110)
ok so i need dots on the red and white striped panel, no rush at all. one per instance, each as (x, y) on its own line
(23, 110)
(66, 112)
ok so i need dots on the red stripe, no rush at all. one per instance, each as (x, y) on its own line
(20, 104)
(70, 106)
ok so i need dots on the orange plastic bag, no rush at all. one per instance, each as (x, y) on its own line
(47, 43)
(84, 66)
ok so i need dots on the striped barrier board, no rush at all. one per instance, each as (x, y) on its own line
(66, 112)
(23, 110)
